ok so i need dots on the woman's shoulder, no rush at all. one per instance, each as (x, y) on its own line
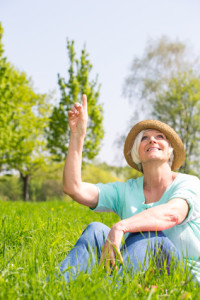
(135, 183)
(129, 183)
(182, 177)
(135, 180)
(186, 176)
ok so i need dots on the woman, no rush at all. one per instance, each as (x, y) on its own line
(159, 210)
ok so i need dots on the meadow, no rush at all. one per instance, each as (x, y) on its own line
(36, 236)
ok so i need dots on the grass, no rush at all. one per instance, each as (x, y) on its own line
(35, 237)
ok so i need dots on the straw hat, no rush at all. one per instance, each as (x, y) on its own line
(172, 136)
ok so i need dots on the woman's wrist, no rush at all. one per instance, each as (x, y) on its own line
(77, 140)
(120, 226)
(77, 135)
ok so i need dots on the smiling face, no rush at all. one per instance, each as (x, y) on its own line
(154, 146)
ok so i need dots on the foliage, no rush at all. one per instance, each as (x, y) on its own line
(4, 113)
(78, 83)
(166, 81)
(179, 106)
(35, 237)
(46, 182)
(162, 59)
(10, 188)
(122, 173)
(23, 117)
(25, 121)
(95, 174)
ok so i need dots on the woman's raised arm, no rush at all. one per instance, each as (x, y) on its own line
(82, 192)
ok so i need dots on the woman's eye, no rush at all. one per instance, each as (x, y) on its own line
(144, 138)
(160, 136)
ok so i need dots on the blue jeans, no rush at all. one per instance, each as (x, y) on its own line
(135, 252)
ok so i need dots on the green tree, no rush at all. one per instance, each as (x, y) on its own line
(23, 117)
(165, 82)
(179, 106)
(4, 87)
(150, 74)
(78, 83)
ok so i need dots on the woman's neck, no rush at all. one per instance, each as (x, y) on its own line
(157, 176)
(156, 180)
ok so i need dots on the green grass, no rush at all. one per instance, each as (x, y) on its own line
(35, 237)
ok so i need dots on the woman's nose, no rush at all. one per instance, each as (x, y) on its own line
(152, 139)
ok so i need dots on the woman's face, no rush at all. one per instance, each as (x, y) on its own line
(154, 146)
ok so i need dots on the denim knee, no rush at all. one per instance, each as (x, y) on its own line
(95, 233)
(95, 226)
(97, 229)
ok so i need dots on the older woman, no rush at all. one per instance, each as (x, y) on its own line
(161, 209)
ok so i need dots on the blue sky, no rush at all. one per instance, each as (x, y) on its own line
(114, 32)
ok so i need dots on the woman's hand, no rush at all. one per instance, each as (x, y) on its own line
(78, 117)
(111, 249)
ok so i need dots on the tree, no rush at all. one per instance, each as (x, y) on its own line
(150, 74)
(179, 106)
(166, 82)
(23, 117)
(5, 114)
(78, 83)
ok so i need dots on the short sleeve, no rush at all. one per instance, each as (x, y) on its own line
(188, 188)
(110, 197)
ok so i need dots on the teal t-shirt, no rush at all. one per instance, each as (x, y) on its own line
(127, 199)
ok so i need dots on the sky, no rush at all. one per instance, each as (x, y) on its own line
(114, 32)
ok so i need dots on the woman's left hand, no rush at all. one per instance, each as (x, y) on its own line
(111, 249)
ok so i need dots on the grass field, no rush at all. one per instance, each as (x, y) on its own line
(35, 237)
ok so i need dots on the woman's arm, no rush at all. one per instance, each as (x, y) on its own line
(157, 218)
(82, 192)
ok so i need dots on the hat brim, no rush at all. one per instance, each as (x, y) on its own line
(172, 136)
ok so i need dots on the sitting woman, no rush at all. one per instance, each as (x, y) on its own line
(161, 209)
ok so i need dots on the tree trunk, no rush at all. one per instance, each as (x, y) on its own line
(25, 180)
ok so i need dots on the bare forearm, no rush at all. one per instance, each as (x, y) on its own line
(72, 169)
(145, 221)
(157, 218)
(82, 192)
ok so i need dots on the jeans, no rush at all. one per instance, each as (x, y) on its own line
(86, 253)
